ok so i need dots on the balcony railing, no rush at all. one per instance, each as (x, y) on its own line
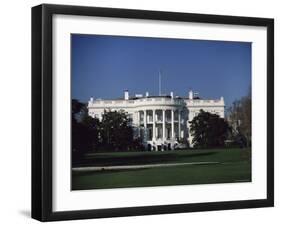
(204, 102)
(137, 102)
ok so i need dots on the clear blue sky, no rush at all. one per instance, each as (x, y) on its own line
(104, 66)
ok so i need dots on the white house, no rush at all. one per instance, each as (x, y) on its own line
(160, 121)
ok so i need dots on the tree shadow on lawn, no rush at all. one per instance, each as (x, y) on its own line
(140, 159)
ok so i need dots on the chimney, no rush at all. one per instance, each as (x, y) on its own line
(146, 94)
(172, 95)
(91, 99)
(190, 94)
(126, 95)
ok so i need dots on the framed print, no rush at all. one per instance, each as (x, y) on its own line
(145, 112)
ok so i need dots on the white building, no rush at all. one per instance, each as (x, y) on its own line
(160, 121)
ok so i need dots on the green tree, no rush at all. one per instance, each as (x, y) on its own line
(208, 130)
(116, 131)
(85, 131)
(113, 133)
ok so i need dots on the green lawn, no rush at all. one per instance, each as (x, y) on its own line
(232, 165)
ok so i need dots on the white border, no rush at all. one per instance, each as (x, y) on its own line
(64, 199)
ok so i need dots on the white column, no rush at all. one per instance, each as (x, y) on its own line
(179, 118)
(154, 126)
(144, 119)
(138, 118)
(139, 123)
(145, 125)
(164, 125)
(173, 124)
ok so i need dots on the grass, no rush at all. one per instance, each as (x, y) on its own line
(233, 166)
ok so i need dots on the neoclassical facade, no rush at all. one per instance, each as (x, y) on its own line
(162, 122)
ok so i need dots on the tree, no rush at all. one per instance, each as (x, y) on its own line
(208, 130)
(116, 131)
(84, 131)
(240, 119)
(113, 133)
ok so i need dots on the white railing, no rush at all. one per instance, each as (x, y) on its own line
(204, 102)
(136, 103)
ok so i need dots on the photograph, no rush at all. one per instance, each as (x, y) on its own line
(150, 111)
(141, 112)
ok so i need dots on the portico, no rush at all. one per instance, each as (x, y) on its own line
(159, 126)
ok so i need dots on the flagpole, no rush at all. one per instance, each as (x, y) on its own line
(159, 83)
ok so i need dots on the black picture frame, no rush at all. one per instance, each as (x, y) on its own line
(42, 111)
